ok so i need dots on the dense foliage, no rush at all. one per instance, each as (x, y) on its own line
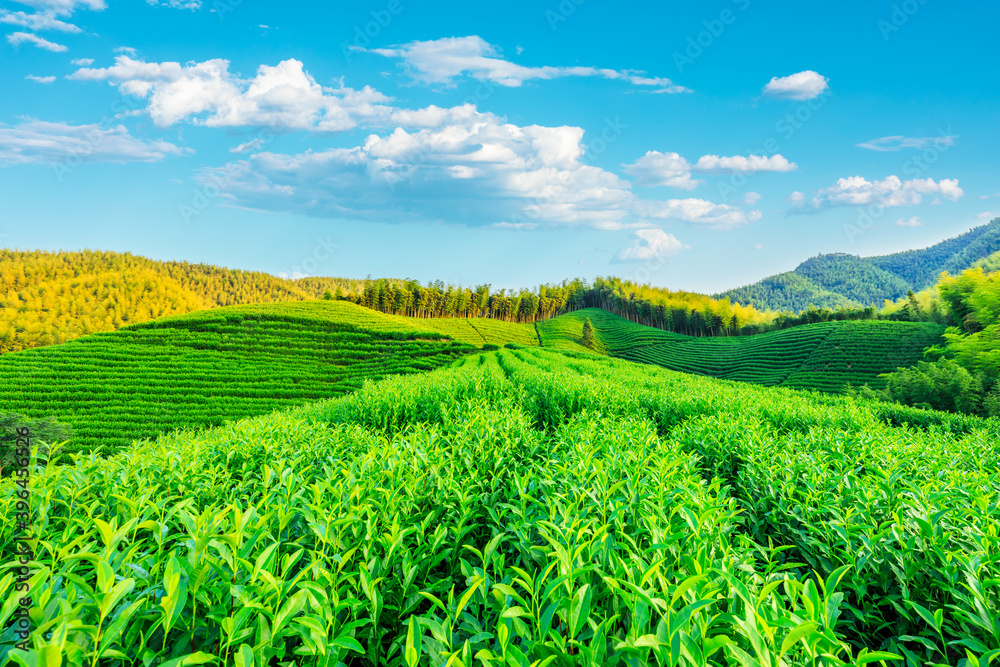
(838, 280)
(526, 507)
(203, 368)
(684, 312)
(964, 374)
(48, 297)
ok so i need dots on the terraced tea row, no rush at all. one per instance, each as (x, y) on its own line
(202, 369)
(826, 356)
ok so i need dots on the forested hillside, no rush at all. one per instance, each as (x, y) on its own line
(838, 280)
(48, 297)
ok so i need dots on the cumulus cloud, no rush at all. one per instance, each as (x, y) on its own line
(40, 79)
(37, 21)
(206, 93)
(650, 244)
(482, 173)
(672, 170)
(695, 211)
(444, 60)
(890, 191)
(656, 168)
(909, 222)
(899, 142)
(18, 38)
(39, 142)
(743, 163)
(82, 62)
(800, 86)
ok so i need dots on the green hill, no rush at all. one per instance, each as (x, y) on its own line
(203, 368)
(480, 331)
(835, 280)
(825, 356)
(553, 508)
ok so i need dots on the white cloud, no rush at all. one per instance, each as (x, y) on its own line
(252, 145)
(656, 168)
(40, 79)
(18, 38)
(83, 62)
(695, 211)
(899, 142)
(64, 7)
(651, 244)
(672, 170)
(284, 96)
(891, 191)
(743, 163)
(986, 215)
(176, 4)
(444, 60)
(37, 21)
(992, 196)
(800, 86)
(751, 198)
(910, 222)
(126, 50)
(483, 172)
(39, 142)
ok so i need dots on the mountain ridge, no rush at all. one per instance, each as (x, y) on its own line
(835, 280)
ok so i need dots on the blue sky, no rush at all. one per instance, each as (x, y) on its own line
(695, 146)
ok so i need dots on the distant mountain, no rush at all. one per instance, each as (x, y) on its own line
(839, 279)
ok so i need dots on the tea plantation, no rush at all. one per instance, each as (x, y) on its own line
(526, 507)
(826, 356)
(203, 368)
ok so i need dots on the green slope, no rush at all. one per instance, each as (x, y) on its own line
(203, 368)
(831, 281)
(479, 330)
(519, 504)
(825, 356)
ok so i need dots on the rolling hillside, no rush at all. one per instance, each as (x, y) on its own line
(203, 368)
(834, 280)
(48, 297)
(825, 356)
(200, 369)
(533, 504)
